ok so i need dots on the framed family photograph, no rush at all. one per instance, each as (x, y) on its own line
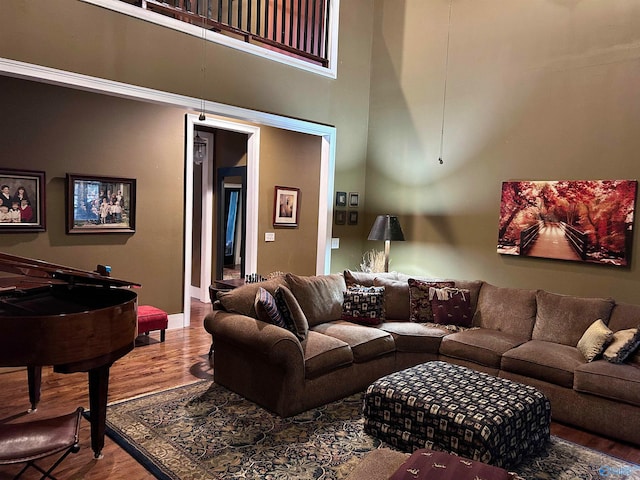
(340, 217)
(341, 199)
(354, 199)
(286, 207)
(22, 201)
(100, 204)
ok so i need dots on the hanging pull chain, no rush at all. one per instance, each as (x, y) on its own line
(444, 93)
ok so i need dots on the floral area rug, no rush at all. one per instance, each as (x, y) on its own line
(204, 431)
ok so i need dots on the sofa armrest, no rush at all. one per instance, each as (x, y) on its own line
(278, 345)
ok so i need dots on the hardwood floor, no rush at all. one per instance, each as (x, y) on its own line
(155, 366)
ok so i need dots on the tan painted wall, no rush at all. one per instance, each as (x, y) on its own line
(294, 249)
(539, 90)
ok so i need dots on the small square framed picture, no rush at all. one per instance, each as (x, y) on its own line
(353, 218)
(341, 199)
(286, 206)
(354, 199)
(340, 217)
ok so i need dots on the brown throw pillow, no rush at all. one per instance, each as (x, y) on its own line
(420, 305)
(396, 298)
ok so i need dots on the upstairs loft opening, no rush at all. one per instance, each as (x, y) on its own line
(301, 33)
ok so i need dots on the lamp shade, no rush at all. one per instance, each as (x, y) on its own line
(386, 227)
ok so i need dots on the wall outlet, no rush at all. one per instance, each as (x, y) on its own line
(335, 243)
(270, 237)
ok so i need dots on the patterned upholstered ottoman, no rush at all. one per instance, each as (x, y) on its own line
(442, 406)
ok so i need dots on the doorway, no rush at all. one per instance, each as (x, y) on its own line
(231, 194)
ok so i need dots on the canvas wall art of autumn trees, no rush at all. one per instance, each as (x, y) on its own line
(589, 221)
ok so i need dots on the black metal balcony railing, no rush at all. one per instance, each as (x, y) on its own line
(296, 27)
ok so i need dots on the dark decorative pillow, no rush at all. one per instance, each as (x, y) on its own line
(451, 306)
(363, 305)
(425, 463)
(291, 313)
(624, 343)
(267, 310)
(420, 305)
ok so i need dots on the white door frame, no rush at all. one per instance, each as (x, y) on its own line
(206, 248)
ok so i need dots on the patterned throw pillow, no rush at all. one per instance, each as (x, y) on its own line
(420, 305)
(624, 343)
(267, 310)
(451, 306)
(594, 340)
(291, 313)
(363, 305)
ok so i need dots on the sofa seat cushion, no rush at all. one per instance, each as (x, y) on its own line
(547, 361)
(617, 382)
(365, 342)
(415, 337)
(323, 354)
(480, 345)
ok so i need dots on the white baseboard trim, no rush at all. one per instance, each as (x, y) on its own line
(176, 320)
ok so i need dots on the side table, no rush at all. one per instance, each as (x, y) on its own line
(224, 286)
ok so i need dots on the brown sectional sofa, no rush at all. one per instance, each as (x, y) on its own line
(528, 336)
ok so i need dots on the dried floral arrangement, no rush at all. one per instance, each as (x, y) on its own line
(372, 262)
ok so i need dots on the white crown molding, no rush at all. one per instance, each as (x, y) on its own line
(29, 71)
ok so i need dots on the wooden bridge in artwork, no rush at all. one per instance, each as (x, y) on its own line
(553, 240)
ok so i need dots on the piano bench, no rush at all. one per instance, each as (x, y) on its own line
(31, 441)
(152, 318)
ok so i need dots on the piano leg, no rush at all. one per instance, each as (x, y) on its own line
(34, 379)
(98, 391)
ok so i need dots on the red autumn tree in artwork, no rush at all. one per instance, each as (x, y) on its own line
(588, 220)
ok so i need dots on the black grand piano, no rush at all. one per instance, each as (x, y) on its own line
(75, 320)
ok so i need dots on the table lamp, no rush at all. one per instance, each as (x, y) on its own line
(387, 228)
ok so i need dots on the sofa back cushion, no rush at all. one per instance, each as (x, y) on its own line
(366, 279)
(319, 296)
(509, 310)
(396, 297)
(564, 318)
(624, 316)
(242, 299)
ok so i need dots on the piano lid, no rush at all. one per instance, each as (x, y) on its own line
(52, 273)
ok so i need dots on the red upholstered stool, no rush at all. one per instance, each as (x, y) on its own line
(152, 318)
